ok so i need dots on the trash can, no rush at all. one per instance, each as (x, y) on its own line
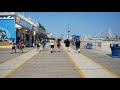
(115, 49)
(89, 46)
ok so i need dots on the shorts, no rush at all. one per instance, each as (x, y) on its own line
(43, 45)
(38, 45)
(13, 47)
(20, 47)
(67, 45)
(52, 46)
(77, 47)
(58, 45)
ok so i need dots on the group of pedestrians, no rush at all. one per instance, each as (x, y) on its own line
(57, 42)
(77, 44)
(19, 46)
(52, 44)
(42, 43)
(67, 44)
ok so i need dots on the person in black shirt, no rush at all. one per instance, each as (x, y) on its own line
(67, 44)
(13, 47)
(77, 44)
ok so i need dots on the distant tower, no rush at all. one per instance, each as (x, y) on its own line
(110, 35)
(29, 18)
(84, 37)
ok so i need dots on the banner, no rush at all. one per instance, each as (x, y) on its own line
(23, 23)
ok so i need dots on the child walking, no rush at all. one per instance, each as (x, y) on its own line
(13, 47)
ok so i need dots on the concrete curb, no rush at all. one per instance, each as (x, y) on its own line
(6, 46)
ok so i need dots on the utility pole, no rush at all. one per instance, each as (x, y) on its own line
(23, 14)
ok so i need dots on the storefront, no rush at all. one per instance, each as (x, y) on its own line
(15, 27)
(25, 33)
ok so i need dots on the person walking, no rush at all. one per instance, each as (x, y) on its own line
(13, 47)
(58, 44)
(77, 44)
(67, 44)
(20, 46)
(52, 43)
(38, 44)
(44, 43)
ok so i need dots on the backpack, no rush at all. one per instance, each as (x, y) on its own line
(39, 44)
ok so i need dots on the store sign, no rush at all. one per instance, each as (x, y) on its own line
(6, 17)
(17, 19)
(7, 13)
(23, 23)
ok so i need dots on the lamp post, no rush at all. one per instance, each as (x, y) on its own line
(68, 31)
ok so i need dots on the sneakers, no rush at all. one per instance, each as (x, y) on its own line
(79, 51)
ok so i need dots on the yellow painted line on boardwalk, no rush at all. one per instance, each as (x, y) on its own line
(80, 71)
(10, 59)
(12, 71)
(114, 74)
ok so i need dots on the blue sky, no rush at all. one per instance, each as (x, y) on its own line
(89, 23)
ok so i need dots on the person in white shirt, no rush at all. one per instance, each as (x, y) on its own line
(52, 43)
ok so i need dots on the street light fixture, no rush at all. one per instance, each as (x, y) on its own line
(68, 31)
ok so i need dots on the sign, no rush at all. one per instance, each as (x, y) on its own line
(17, 19)
(7, 13)
(6, 17)
(23, 23)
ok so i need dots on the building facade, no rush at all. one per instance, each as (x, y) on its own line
(15, 27)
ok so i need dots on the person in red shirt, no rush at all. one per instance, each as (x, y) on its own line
(20, 45)
(58, 44)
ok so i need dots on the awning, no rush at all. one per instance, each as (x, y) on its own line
(17, 26)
